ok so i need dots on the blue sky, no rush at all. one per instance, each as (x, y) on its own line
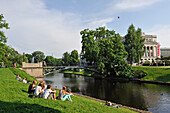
(53, 26)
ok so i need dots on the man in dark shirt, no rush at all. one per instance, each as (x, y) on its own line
(31, 88)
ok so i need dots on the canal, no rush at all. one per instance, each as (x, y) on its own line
(151, 97)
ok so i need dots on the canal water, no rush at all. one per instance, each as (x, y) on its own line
(151, 97)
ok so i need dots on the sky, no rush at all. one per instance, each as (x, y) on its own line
(53, 26)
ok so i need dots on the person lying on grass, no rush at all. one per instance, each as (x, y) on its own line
(63, 95)
(108, 103)
(31, 88)
(49, 93)
(39, 90)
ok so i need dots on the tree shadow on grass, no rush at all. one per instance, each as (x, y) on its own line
(7, 107)
(165, 78)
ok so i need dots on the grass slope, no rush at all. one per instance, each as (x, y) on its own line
(155, 73)
(14, 98)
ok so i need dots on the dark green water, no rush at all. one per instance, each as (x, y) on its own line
(151, 97)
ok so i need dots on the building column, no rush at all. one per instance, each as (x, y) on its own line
(146, 51)
(153, 51)
(149, 51)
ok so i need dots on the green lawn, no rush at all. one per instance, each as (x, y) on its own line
(155, 73)
(14, 98)
(76, 72)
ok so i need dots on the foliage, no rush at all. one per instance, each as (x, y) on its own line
(66, 59)
(104, 48)
(10, 56)
(155, 73)
(14, 98)
(51, 61)
(3, 24)
(134, 44)
(38, 56)
(139, 74)
(146, 63)
(74, 58)
(165, 58)
(29, 57)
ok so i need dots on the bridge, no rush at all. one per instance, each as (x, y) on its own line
(36, 69)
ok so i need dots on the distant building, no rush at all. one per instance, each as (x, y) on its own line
(152, 48)
(165, 52)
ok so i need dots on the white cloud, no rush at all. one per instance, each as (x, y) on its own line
(162, 32)
(132, 4)
(34, 27)
(100, 22)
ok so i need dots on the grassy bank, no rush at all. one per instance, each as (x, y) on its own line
(14, 98)
(87, 73)
(155, 73)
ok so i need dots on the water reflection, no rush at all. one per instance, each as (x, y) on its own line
(155, 98)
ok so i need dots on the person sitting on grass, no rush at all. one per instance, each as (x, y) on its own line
(24, 80)
(49, 93)
(18, 78)
(38, 90)
(69, 91)
(31, 88)
(65, 95)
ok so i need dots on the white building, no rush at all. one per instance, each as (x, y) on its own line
(165, 52)
(152, 48)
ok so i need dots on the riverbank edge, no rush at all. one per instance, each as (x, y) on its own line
(104, 101)
(126, 79)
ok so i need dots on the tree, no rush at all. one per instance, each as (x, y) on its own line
(29, 57)
(38, 56)
(74, 58)
(3, 24)
(50, 61)
(105, 48)
(134, 43)
(66, 58)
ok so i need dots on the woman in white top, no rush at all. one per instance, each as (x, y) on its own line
(38, 90)
(24, 80)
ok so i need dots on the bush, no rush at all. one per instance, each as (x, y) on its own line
(139, 74)
(147, 63)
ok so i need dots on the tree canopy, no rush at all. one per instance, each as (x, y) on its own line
(3, 24)
(134, 43)
(104, 49)
(38, 56)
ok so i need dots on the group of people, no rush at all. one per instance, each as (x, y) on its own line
(46, 92)
(19, 79)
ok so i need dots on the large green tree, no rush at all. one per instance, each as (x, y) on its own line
(38, 56)
(3, 24)
(134, 43)
(66, 59)
(74, 58)
(105, 49)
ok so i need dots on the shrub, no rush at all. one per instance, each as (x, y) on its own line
(139, 74)
(147, 63)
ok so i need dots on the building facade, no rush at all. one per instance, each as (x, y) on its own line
(151, 47)
(165, 52)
